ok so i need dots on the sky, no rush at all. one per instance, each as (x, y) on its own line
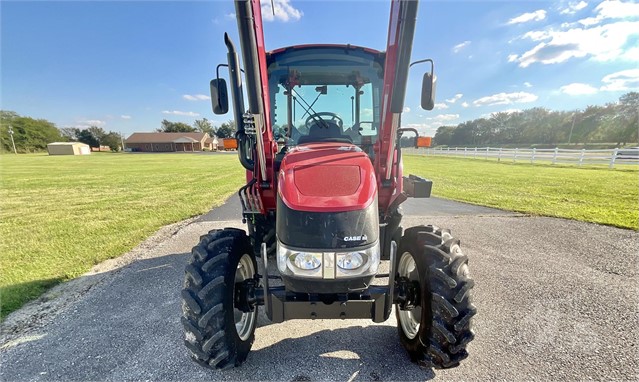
(125, 66)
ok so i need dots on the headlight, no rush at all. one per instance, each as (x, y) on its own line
(306, 261)
(350, 261)
(300, 263)
(327, 265)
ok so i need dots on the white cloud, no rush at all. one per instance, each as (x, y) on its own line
(441, 118)
(424, 129)
(92, 122)
(230, 15)
(125, 116)
(578, 88)
(512, 57)
(196, 97)
(527, 84)
(526, 17)
(511, 111)
(406, 109)
(614, 9)
(588, 21)
(603, 43)
(441, 106)
(465, 104)
(461, 46)
(184, 113)
(505, 99)
(574, 8)
(284, 11)
(621, 81)
(455, 98)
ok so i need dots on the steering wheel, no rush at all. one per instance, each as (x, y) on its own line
(314, 117)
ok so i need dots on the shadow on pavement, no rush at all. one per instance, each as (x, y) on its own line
(353, 353)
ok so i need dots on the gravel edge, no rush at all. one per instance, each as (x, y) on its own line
(41, 311)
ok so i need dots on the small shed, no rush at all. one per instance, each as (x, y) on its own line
(68, 148)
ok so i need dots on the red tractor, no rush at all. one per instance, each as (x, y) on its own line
(322, 203)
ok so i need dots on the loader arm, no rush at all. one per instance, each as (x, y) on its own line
(401, 30)
(249, 21)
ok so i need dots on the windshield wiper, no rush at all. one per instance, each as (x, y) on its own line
(310, 107)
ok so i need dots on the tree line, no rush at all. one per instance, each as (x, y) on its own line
(33, 135)
(611, 123)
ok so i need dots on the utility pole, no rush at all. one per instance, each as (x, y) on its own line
(122, 140)
(574, 116)
(12, 141)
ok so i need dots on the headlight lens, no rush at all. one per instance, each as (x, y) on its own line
(350, 261)
(307, 261)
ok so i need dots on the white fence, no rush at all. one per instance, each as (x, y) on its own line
(576, 157)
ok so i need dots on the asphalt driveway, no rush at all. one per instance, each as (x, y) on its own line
(556, 299)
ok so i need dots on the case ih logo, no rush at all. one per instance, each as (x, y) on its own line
(355, 238)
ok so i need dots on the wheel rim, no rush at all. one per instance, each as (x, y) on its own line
(409, 320)
(244, 321)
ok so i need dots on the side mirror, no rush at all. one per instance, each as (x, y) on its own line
(423, 142)
(219, 96)
(428, 91)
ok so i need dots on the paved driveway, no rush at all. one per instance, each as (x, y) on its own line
(557, 299)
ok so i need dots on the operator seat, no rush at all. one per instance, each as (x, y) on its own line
(324, 131)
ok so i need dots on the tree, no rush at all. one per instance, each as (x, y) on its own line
(30, 135)
(628, 117)
(226, 130)
(86, 137)
(113, 140)
(70, 133)
(98, 133)
(175, 127)
(204, 126)
(443, 136)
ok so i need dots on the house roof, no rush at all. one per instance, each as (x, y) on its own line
(165, 137)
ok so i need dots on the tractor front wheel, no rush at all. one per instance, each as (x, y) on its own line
(435, 311)
(219, 323)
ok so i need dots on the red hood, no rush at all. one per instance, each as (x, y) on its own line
(327, 177)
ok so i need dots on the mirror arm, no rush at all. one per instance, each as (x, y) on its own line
(398, 145)
(402, 130)
(217, 70)
(432, 65)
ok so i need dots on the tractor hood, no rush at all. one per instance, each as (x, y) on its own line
(327, 177)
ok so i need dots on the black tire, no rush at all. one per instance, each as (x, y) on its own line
(208, 300)
(444, 327)
(262, 230)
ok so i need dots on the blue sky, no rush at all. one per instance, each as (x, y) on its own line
(125, 66)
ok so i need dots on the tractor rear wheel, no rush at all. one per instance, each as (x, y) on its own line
(218, 334)
(435, 326)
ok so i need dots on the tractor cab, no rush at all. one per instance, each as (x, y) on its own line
(326, 93)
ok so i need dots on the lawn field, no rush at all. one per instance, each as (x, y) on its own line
(591, 194)
(60, 215)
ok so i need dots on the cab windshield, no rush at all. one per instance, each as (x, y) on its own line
(325, 94)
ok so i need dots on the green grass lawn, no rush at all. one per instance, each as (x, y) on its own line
(60, 215)
(594, 194)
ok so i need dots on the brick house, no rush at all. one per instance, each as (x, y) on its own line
(169, 142)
